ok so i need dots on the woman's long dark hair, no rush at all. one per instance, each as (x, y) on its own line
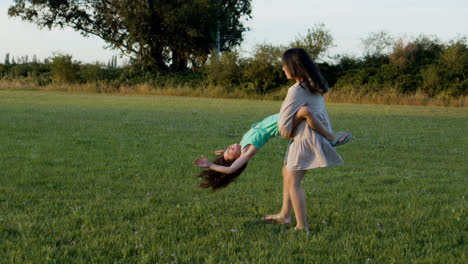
(301, 66)
(217, 180)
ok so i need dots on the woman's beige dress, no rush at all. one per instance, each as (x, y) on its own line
(308, 149)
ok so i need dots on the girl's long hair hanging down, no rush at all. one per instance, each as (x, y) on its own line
(217, 180)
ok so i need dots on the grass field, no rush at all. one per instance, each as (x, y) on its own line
(109, 179)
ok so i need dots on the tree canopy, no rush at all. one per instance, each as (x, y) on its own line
(316, 42)
(159, 34)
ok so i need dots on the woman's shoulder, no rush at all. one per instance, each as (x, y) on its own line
(294, 86)
(297, 90)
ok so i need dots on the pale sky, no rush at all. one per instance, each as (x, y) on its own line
(273, 21)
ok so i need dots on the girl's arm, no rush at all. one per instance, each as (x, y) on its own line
(227, 170)
(304, 113)
(243, 159)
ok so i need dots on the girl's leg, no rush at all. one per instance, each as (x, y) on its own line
(284, 216)
(294, 179)
(315, 124)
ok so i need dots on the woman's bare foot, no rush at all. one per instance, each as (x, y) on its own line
(276, 218)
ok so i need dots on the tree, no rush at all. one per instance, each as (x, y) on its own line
(420, 51)
(114, 61)
(455, 56)
(316, 42)
(377, 43)
(154, 33)
(7, 59)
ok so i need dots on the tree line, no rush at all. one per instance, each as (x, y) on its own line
(193, 43)
(423, 64)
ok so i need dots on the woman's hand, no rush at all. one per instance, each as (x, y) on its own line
(291, 136)
(202, 163)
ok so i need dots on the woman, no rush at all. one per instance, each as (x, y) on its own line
(307, 150)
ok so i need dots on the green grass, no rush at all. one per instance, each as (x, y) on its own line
(109, 178)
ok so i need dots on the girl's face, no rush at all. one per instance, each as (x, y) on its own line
(233, 152)
(286, 72)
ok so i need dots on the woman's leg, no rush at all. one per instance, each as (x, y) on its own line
(284, 216)
(294, 179)
(287, 205)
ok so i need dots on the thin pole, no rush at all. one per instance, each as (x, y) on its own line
(218, 35)
(218, 40)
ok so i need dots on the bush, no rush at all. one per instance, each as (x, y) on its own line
(63, 69)
(225, 71)
(263, 72)
(430, 80)
(3, 70)
(21, 70)
(90, 73)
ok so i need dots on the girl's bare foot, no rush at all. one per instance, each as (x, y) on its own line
(277, 218)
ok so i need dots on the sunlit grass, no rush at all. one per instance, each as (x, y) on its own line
(109, 178)
(387, 96)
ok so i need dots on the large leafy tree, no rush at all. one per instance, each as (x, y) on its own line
(159, 34)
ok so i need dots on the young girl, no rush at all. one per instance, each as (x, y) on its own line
(232, 161)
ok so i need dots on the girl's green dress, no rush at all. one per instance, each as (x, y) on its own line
(261, 132)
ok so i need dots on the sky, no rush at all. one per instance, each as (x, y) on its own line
(276, 22)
